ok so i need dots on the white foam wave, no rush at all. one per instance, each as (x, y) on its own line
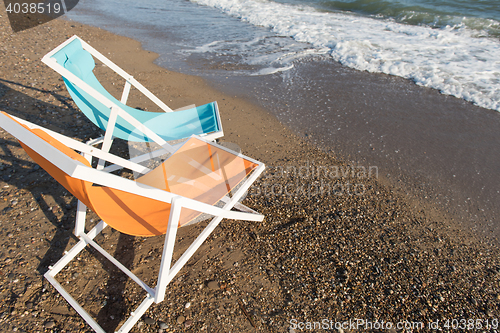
(451, 59)
(272, 70)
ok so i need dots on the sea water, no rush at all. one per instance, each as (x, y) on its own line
(449, 45)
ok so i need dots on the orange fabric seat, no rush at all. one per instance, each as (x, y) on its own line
(192, 170)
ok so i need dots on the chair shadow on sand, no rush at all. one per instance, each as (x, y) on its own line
(44, 189)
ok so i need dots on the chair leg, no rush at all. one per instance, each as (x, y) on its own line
(192, 248)
(108, 136)
(164, 279)
(167, 273)
(137, 314)
(87, 239)
(70, 255)
(239, 206)
(84, 314)
(81, 214)
(168, 250)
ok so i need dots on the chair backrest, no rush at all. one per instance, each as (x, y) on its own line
(198, 170)
(170, 126)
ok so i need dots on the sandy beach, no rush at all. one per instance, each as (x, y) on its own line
(338, 244)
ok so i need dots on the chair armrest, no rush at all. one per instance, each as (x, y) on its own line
(217, 211)
(87, 149)
(103, 178)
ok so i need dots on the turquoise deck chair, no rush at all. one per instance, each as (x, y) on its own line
(74, 60)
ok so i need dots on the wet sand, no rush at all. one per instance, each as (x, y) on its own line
(440, 150)
(335, 244)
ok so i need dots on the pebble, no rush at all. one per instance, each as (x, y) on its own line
(163, 325)
(49, 324)
(188, 305)
(181, 319)
(213, 285)
(188, 323)
(149, 321)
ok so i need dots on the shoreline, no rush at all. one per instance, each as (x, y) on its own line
(316, 255)
(437, 149)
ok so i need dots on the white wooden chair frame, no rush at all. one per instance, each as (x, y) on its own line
(80, 171)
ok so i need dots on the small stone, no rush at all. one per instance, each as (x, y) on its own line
(163, 325)
(181, 319)
(188, 323)
(188, 305)
(213, 285)
(149, 321)
(49, 324)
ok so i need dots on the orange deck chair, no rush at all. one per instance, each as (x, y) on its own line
(195, 179)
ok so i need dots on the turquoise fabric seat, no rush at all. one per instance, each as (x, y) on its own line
(168, 125)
